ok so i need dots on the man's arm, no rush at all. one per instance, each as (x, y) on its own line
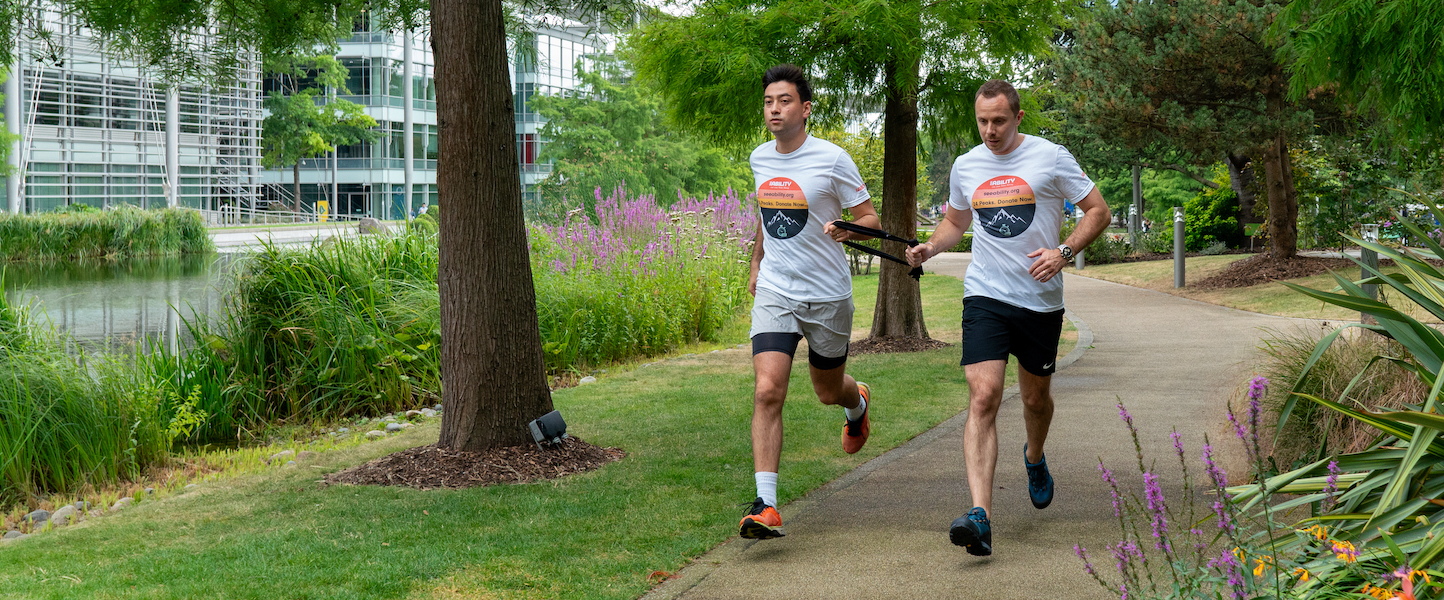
(862, 215)
(757, 253)
(1095, 219)
(947, 235)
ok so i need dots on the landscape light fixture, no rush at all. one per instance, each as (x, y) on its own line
(1370, 232)
(550, 428)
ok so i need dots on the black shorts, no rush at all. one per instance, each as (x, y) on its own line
(993, 329)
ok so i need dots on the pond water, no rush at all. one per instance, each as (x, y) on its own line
(121, 305)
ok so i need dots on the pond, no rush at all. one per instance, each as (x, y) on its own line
(121, 305)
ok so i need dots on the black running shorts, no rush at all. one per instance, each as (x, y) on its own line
(993, 329)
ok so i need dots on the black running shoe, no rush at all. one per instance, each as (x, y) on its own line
(1040, 482)
(973, 532)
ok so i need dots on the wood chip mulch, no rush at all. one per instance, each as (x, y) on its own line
(888, 345)
(430, 467)
(1264, 268)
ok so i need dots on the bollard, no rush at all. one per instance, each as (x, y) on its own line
(1135, 207)
(1078, 260)
(1370, 233)
(1178, 246)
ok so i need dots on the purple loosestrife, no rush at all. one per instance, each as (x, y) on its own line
(1220, 482)
(1113, 486)
(1331, 486)
(1154, 493)
(1227, 562)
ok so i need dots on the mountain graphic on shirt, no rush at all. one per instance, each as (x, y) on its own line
(1011, 220)
(781, 218)
(784, 207)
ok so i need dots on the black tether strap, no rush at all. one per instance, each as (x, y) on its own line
(916, 273)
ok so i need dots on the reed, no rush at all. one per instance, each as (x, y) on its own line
(81, 233)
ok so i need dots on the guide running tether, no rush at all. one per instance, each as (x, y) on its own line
(916, 273)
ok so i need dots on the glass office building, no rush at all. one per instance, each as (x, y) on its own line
(103, 132)
(546, 65)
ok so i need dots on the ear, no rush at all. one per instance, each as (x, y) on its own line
(807, 109)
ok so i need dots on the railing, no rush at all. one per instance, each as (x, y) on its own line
(229, 216)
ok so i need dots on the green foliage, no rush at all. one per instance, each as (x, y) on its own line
(6, 138)
(429, 222)
(1158, 241)
(965, 244)
(186, 419)
(1209, 217)
(1103, 251)
(1385, 56)
(67, 420)
(125, 231)
(1162, 190)
(613, 135)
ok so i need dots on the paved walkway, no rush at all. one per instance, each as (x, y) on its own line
(881, 531)
(250, 237)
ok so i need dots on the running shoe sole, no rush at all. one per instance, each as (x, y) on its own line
(757, 530)
(969, 540)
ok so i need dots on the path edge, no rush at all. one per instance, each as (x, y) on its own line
(698, 570)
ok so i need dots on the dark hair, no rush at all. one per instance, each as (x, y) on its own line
(994, 87)
(790, 73)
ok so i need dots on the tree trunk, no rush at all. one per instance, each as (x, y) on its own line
(296, 187)
(492, 370)
(1279, 179)
(1241, 179)
(899, 311)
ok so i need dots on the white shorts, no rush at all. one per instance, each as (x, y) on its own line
(826, 325)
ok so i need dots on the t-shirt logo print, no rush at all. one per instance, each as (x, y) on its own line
(784, 207)
(1005, 205)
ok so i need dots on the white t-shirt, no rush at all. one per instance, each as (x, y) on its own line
(797, 194)
(1017, 203)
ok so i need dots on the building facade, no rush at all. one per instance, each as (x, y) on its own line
(103, 132)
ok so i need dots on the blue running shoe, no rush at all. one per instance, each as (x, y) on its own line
(973, 532)
(1040, 482)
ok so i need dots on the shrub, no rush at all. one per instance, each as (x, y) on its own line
(965, 244)
(122, 232)
(1155, 242)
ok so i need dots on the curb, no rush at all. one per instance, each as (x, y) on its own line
(704, 565)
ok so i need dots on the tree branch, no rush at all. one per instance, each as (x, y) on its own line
(1181, 169)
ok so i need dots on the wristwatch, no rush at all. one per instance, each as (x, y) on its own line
(1066, 250)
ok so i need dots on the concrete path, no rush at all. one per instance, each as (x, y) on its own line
(881, 531)
(240, 238)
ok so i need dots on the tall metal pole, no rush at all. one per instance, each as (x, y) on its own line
(1136, 210)
(1370, 258)
(172, 147)
(14, 94)
(1178, 246)
(407, 147)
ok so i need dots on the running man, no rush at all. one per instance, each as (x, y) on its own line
(800, 280)
(1014, 186)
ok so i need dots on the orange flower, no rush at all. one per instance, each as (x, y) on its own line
(1345, 551)
(1318, 532)
(1301, 573)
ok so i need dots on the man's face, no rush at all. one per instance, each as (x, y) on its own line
(783, 110)
(997, 124)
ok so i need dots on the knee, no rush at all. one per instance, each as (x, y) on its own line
(983, 407)
(1038, 402)
(769, 397)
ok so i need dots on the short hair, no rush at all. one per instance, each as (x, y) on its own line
(789, 73)
(995, 87)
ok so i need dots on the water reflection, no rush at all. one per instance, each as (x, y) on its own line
(122, 305)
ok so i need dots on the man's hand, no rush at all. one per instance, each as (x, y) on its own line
(752, 280)
(919, 254)
(1050, 262)
(836, 233)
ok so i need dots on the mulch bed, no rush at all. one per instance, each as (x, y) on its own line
(430, 467)
(1264, 268)
(888, 345)
(1150, 256)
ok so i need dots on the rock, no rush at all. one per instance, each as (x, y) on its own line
(390, 427)
(284, 454)
(343, 430)
(39, 516)
(369, 225)
(407, 425)
(305, 455)
(64, 515)
(586, 380)
(371, 435)
(122, 503)
(645, 365)
(12, 534)
(412, 414)
(437, 407)
(428, 413)
(94, 513)
(290, 463)
(8, 538)
(388, 419)
(149, 491)
(190, 486)
(82, 505)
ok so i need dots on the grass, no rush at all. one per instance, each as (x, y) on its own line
(683, 423)
(1268, 298)
(88, 233)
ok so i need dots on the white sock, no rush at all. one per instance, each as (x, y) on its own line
(854, 414)
(767, 487)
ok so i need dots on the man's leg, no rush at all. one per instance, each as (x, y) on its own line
(980, 435)
(773, 369)
(835, 387)
(1037, 411)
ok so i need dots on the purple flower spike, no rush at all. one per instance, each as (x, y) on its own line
(1331, 486)
(1154, 493)
(1177, 442)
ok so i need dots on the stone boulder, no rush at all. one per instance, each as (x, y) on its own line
(369, 225)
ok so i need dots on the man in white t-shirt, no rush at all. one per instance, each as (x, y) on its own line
(1013, 187)
(801, 281)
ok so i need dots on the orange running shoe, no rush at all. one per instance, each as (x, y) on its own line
(762, 522)
(854, 433)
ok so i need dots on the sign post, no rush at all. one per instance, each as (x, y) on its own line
(1370, 233)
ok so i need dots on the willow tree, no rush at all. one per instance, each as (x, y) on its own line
(1199, 79)
(916, 61)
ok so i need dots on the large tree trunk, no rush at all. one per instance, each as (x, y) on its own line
(899, 311)
(1283, 202)
(1241, 179)
(492, 370)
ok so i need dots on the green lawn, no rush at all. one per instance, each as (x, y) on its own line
(683, 423)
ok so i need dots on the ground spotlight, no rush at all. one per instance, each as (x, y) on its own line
(549, 428)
